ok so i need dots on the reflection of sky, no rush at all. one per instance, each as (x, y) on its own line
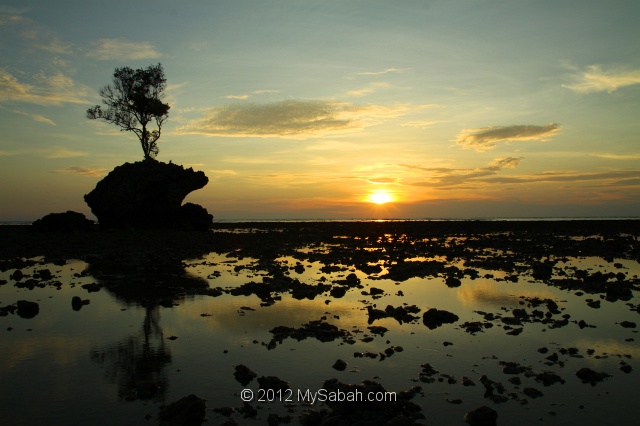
(208, 347)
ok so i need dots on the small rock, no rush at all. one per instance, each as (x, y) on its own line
(340, 365)
(244, 374)
(482, 416)
(27, 309)
(189, 410)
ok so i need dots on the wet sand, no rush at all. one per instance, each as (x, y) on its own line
(411, 307)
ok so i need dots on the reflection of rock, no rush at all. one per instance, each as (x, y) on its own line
(67, 222)
(27, 309)
(136, 364)
(187, 411)
(148, 194)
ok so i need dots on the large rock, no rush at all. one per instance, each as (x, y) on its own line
(148, 194)
(69, 221)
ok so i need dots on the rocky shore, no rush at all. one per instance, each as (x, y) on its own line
(375, 269)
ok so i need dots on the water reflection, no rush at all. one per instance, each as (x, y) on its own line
(137, 363)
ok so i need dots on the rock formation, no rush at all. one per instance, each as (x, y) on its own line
(148, 195)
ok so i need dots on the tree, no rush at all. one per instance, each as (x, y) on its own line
(133, 101)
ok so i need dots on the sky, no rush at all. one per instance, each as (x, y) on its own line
(300, 109)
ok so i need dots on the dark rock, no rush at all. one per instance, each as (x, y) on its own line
(244, 375)
(272, 382)
(628, 324)
(532, 392)
(187, 411)
(340, 365)
(587, 375)
(17, 275)
(63, 222)
(195, 217)
(434, 318)
(148, 195)
(350, 410)
(27, 309)
(452, 282)
(482, 416)
(76, 303)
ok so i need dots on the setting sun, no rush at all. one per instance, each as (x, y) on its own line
(380, 197)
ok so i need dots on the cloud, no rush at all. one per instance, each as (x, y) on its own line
(505, 162)
(618, 156)
(441, 177)
(423, 124)
(82, 171)
(297, 119)
(387, 71)
(55, 89)
(244, 96)
(65, 153)
(485, 138)
(594, 79)
(367, 90)
(117, 48)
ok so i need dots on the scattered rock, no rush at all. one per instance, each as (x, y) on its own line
(587, 375)
(482, 416)
(187, 411)
(272, 382)
(63, 222)
(340, 365)
(434, 318)
(244, 375)
(27, 309)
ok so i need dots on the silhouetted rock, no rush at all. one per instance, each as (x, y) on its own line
(482, 416)
(148, 194)
(187, 411)
(434, 318)
(195, 217)
(63, 222)
(243, 374)
(27, 309)
(587, 375)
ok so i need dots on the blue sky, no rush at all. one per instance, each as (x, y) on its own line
(306, 109)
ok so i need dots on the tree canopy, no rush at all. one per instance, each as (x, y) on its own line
(134, 102)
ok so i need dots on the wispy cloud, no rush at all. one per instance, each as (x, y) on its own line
(618, 156)
(485, 138)
(594, 79)
(54, 89)
(423, 124)
(82, 171)
(387, 71)
(60, 152)
(372, 88)
(36, 117)
(248, 95)
(297, 119)
(120, 49)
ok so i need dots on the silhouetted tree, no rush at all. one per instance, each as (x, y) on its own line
(134, 100)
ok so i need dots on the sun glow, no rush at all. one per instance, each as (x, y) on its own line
(380, 197)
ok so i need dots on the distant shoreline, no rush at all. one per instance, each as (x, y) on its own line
(428, 219)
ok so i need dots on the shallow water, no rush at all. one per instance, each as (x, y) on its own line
(83, 367)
